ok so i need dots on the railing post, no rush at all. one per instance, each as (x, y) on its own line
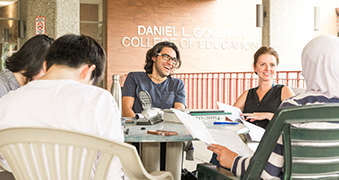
(251, 80)
(236, 85)
(195, 91)
(201, 82)
(213, 93)
(287, 80)
(218, 87)
(224, 91)
(218, 91)
(207, 89)
(188, 85)
(298, 79)
(244, 82)
(230, 90)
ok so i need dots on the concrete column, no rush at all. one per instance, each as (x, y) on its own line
(288, 26)
(62, 16)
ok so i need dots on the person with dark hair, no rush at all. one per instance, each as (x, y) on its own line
(319, 62)
(65, 97)
(166, 92)
(259, 104)
(25, 65)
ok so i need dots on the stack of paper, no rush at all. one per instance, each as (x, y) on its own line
(229, 139)
(256, 132)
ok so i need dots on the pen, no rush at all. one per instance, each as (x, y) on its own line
(226, 123)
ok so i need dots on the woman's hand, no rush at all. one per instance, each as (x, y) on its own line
(258, 116)
(225, 156)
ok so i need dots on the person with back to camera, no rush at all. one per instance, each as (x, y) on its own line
(320, 64)
(65, 97)
(25, 65)
(259, 104)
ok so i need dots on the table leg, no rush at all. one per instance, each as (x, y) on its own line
(174, 154)
(150, 156)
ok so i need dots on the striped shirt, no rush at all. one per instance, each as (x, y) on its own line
(274, 166)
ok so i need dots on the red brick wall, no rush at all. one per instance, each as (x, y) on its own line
(124, 17)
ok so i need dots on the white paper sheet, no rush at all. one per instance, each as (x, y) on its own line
(195, 127)
(234, 110)
(256, 132)
(231, 140)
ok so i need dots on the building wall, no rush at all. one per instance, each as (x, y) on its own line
(61, 17)
(184, 20)
(289, 25)
(131, 27)
(328, 17)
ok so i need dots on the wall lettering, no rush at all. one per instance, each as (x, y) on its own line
(202, 38)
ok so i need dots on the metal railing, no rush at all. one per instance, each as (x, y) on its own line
(203, 90)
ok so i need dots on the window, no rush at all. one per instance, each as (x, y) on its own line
(8, 29)
(92, 22)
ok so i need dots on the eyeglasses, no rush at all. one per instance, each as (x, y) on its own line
(167, 57)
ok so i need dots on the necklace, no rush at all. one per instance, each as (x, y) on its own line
(160, 80)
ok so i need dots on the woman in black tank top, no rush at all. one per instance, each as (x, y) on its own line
(259, 104)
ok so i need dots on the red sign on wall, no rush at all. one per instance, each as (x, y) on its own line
(40, 25)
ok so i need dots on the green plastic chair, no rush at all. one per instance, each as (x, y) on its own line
(31, 154)
(308, 153)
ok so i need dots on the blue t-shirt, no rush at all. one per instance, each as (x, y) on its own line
(163, 95)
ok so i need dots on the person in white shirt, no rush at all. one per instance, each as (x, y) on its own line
(65, 97)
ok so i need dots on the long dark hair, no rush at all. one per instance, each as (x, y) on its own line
(30, 57)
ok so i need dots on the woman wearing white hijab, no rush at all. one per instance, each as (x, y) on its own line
(320, 64)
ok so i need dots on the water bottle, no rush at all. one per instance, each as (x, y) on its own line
(116, 91)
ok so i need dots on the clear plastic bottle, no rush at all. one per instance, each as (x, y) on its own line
(116, 91)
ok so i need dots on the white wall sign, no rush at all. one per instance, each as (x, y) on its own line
(40, 25)
(202, 38)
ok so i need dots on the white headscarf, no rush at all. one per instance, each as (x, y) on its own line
(320, 65)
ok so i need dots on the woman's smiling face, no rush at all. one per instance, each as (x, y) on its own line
(266, 67)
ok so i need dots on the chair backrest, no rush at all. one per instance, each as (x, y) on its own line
(308, 153)
(57, 154)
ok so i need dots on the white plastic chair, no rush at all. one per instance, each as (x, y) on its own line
(24, 149)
